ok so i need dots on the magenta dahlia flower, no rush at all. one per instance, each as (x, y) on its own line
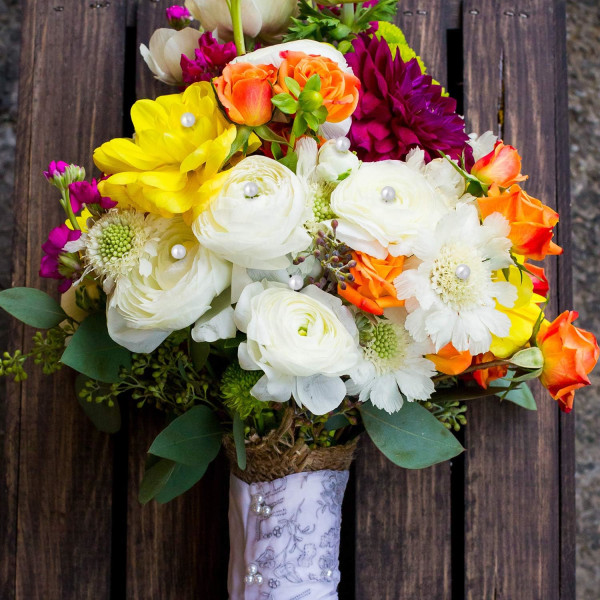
(400, 108)
(56, 263)
(211, 59)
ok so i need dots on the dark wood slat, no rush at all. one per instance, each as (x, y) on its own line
(64, 478)
(404, 516)
(512, 479)
(179, 550)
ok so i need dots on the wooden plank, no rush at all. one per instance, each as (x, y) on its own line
(189, 535)
(403, 516)
(62, 546)
(512, 467)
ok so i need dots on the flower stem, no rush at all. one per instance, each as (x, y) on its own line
(66, 204)
(347, 14)
(486, 365)
(238, 26)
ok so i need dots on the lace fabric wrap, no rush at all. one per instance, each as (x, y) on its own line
(293, 553)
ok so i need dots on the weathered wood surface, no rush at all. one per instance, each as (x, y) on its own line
(496, 524)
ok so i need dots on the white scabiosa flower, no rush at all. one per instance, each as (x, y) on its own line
(451, 295)
(257, 216)
(385, 207)
(394, 369)
(174, 284)
(303, 341)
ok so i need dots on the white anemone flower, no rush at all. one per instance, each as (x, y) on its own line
(164, 55)
(394, 369)
(175, 283)
(451, 295)
(303, 341)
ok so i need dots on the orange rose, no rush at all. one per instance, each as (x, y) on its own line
(450, 361)
(485, 376)
(245, 91)
(570, 354)
(339, 89)
(531, 222)
(501, 166)
(541, 287)
(372, 289)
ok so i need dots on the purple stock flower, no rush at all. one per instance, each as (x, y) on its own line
(56, 169)
(178, 16)
(50, 266)
(211, 59)
(400, 108)
(84, 192)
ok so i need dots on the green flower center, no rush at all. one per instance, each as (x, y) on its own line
(321, 203)
(385, 341)
(116, 242)
(235, 390)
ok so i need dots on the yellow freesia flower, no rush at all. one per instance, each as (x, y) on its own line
(523, 315)
(82, 220)
(181, 141)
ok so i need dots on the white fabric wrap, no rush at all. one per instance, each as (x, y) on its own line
(296, 549)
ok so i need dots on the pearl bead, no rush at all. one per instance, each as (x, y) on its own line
(256, 508)
(178, 252)
(342, 144)
(296, 282)
(388, 194)
(328, 573)
(249, 579)
(258, 579)
(250, 189)
(258, 499)
(266, 511)
(463, 272)
(188, 119)
(252, 569)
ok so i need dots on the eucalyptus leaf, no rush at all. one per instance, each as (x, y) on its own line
(92, 352)
(199, 352)
(520, 394)
(192, 439)
(32, 307)
(239, 439)
(336, 422)
(104, 417)
(181, 479)
(155, 478)
(412, 437)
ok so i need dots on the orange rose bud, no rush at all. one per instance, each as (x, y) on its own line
(338, 88)
(501, 166)
(531, 222)
(537, 275)
(485, 376)
(245, 91)
(570, 354)
(372, 289)
(450, 361)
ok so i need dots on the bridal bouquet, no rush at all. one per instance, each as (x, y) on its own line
(298, 245)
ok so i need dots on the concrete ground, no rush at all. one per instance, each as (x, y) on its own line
(584, 98)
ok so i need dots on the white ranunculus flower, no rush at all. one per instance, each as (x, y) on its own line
(165, 294)
(267, 18)
(164, 55)
(482, 144)
(333, 163)
(256, 232)
(374, 223)
(303, 341)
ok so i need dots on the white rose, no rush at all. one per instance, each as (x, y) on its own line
(164, 294)
(164, 55)
(303, 341)
(256, 232)
(260, 17)
(370, 223)
(331, 162)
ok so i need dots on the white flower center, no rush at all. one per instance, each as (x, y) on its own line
(387, 348)
(459, 277)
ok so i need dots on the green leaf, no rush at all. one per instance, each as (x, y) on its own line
(234, 342)
(276, 150)
(105, 418)
(285, 103)
(199, 352)
(520, 395)
(267, 134)
(313, 84)
(157, 474)
(181, 479)
(192, 439)
(299, 127)
(290, 160)
(240, 142)
(412, 437)
(92, 352)
(336, 422)
(312, 121)
(530, 358)
(240, 443)
(32, 307)
(293, 86)
(528, 376)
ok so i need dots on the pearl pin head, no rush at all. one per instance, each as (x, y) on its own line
(178, 252)
(463, 272)
(388, 194)
(251, 189)
(342, 144)
(188, 119)
(296, 282)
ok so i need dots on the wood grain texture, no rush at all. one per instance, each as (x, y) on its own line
(64, 486)
(403, 518)
(512, 521)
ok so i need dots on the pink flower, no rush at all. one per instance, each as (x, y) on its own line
(84, 192)
(56, 169)
(211, 59)
(56, 264)
(178, 16)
